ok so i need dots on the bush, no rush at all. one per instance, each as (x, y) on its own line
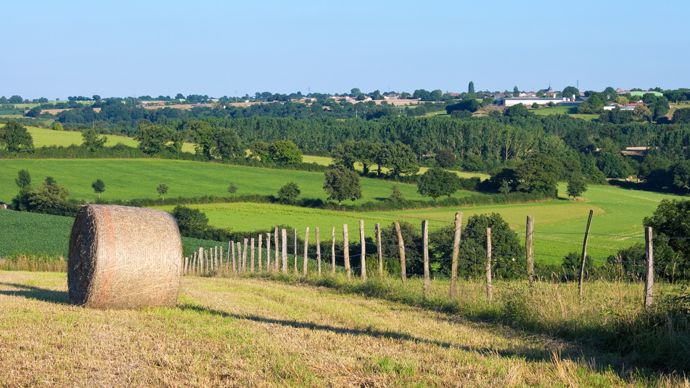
(289, 193)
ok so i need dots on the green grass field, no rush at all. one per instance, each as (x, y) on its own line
(559, 224)
(563, 110)
(248, 332)
(138, 178)
(44, 235)
(44, 137)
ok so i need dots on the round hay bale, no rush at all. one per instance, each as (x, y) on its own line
(124, 257)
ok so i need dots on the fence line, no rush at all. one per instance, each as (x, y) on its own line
(241, 256)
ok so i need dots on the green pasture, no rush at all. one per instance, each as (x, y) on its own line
(138, 178)
(559, 224)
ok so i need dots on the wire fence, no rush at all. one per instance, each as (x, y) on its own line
(301, 253)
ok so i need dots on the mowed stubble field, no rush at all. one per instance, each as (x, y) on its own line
(248, 332)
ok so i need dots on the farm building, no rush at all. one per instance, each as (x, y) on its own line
(529, 101)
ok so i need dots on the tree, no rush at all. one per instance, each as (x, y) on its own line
(232, 188)
(470, 88)
(516, 92)
(437, 182)
(445, 158)
(284, 152)
(91, 141)
(670, 225)
(23, 179)
(613, 165)
(153, 138)
(341, 183)
(162, 189)
(57, 126)
(401, 159)
(16, 138)
(192, 222)
(538, 175)
(289, 193)
(680, 173)
(576, 185)
(506, 255)
(98, 187)
(396, 196)
(570, 92)
(50, 198)
(681, 115)
(228, 144)
(469, 105)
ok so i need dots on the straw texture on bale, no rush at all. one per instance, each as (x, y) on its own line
(124, 257)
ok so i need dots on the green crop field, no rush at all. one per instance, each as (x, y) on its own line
(559, 224)
(138, 178)
(563, 110)
(45, 235)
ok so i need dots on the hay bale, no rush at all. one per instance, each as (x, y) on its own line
(124, 257)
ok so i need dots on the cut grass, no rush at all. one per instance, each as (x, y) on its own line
(559, 224)
(244, 331)
(138, 178)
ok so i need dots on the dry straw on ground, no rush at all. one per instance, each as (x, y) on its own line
(124, 257)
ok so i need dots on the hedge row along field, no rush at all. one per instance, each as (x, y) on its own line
(137, 178)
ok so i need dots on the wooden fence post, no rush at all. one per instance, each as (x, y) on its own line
(529, 248)
(456, 256)
(284, 250)
(228, 263)
(649, 280)
(234, 261)
(268, 252)
(425, 246)
(251, 265)
(318, 250)
(333, 251)
(346, 251)
(489, 283)
(215, 258)
(186, 265)
(583, 258)
(294, 255)
(379, 249)
(221, 267)
(244, 255)
(401, 250)
(276, 258)
(239, 256)
(363, 251)
(259, 256)
(201, 261)
(306, 253)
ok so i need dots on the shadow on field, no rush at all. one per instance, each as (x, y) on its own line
(37, 293)
(528, 354)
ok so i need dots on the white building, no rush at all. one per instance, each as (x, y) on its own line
(529, 101)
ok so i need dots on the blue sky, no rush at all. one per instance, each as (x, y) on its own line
(127, 47)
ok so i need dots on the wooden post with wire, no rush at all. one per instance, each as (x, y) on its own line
(268, 252)
(294, 253)
(333, 251)
(318, 250)
(425, 247)
(261, 239)
(649, 280)
(379, 249)
(284, 250)
(456, 256)
(401, 251)
(276, 258)
(305, 265)
(583, 258)
(529, 248)
(489, 277)
(363, 251)
(346, 252)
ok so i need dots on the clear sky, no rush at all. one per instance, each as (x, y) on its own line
(135, 47)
